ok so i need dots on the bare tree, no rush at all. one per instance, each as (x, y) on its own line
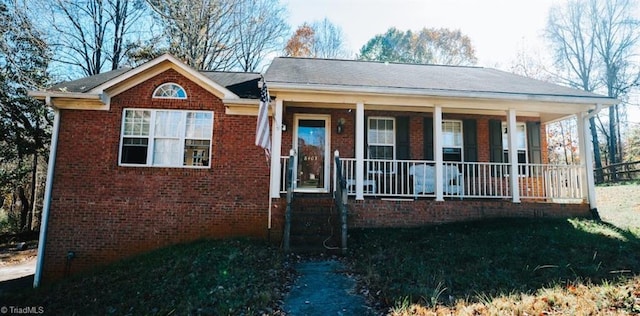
(616, 38)
(200, 32)
(328, 40)
(569, 30)
(595, 42)
(89, 34)
(260, 30)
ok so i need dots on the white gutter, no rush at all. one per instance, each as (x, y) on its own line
(595, 111)
(591, 185)
(47, 194)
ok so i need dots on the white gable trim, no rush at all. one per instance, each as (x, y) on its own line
(154, 67)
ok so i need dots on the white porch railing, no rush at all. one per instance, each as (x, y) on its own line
(416, 178)
(284, 160)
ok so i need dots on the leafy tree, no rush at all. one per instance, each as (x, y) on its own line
(24, 122)
(301, 43)
(428, 46)
(320, 39)
(632, 143)
(562, 142)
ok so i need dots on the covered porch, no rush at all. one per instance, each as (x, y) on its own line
(418, 176)
(409, 133)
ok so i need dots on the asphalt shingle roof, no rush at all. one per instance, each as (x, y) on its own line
(360, 74)
(379, 76)
(88, 83)
(243, 84)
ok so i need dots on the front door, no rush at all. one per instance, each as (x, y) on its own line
(311, 145)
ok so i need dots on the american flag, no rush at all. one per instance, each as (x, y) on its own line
(262, 128)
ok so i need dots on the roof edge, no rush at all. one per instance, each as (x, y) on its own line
(223, 93)
(291, 87)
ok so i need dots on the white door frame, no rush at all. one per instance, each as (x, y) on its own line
(327, 151)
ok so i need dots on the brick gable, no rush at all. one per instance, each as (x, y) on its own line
(104, 212)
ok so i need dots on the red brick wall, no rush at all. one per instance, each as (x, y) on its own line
(385, 213)
(104, 212)
(345, 142)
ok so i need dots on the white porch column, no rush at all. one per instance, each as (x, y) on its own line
(276, 149)
(437, 151)
(512, 133)
(588, 159)
(580, 122)
(360, 150)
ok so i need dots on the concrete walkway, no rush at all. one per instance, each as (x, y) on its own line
(17, 277)
(322, 288)
(16, 271)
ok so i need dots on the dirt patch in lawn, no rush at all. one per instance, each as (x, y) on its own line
(18, 248)
(619, 204)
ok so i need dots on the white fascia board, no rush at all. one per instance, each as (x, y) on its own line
(242, 107)
(322, 88)
(73, 100)
(41, 95)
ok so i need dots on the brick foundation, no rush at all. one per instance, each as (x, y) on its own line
(385, 213)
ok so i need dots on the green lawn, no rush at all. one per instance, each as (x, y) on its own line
(474, 266)
(202, 278)
(515, 267)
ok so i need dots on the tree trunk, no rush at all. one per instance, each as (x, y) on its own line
(23, 203)
(613, 142)
(597, 158)
(564, 142)
(34, 185)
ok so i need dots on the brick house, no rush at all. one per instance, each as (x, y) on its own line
(162, 153)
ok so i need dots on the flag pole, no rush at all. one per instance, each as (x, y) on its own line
(263, 139)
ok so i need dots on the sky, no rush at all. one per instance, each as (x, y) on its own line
(497, 28)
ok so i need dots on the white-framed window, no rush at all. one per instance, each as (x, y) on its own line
(166, 138)
(452, 142)
(170, 90)
(521, 144)
(381, 139)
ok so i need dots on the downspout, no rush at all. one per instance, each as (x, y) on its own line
(591, 189)
(47, 194)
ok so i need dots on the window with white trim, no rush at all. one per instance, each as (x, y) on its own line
(521, 144)
(170, 90)
(381, 141)
(166, 138)
(381, 138)
(452, 140)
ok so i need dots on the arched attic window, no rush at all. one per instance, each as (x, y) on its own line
(170, 90)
